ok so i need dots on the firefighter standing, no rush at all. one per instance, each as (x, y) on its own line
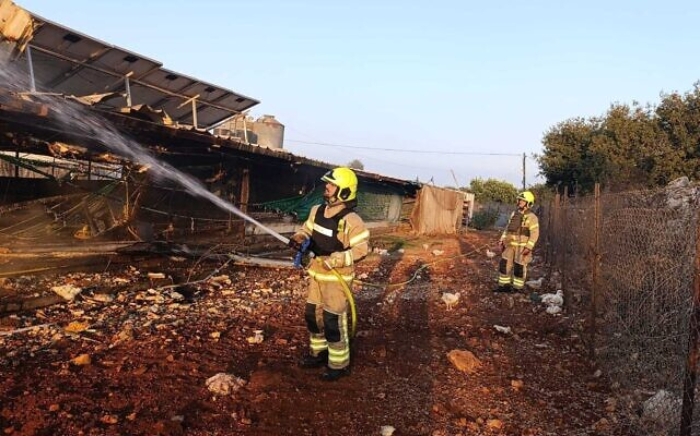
(338, 240)
(517, 242)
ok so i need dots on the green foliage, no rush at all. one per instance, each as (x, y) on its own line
(484, 219)
(543, 193)
(356, 164)
(492, 190)
(630, 146)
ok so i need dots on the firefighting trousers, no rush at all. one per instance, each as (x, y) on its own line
(327, 320)
(512, 270)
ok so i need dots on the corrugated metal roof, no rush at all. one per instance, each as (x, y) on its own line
(69, 62)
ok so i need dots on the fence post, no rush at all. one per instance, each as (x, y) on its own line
(554, 234)
(564, 248)
(595, 268)
(691, 369)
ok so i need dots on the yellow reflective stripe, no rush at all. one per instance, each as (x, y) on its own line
(321, 277)
(530, 244)
(322, 230)
(348, 258)
(318, 340)
(503, 279)
(534, 227)
(309, 225)
(518, 244)
(359, 238)
(338, 356)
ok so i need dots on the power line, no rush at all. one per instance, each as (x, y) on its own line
(401, 150)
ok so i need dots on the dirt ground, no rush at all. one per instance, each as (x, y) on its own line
(130, 357)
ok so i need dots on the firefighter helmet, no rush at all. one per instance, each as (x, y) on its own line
(528, 197)
(346, 181)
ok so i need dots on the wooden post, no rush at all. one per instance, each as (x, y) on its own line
(554, 232)
(245, 190)
(563, 233)
(691, 369)
(245, 194)
(595, 259)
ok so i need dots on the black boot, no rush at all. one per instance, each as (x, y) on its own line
(311, 361)
(334, 374)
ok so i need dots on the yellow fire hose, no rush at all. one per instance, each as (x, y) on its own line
(387, 286)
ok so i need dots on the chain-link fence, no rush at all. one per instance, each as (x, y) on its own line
(627, 265)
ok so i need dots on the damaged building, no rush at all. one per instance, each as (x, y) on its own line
(71, 109)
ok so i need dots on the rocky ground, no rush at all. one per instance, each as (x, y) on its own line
(131, 354)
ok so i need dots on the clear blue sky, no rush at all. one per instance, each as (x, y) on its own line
(443, 75)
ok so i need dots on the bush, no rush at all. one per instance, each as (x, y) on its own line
(484, 219)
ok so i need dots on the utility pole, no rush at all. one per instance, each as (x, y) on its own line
(524, 187)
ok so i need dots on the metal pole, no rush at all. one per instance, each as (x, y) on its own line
(245, 129)
(691, 369)
(128, 91)
(524, 187)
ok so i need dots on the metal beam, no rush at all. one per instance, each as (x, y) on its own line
(113, 87)
(115, 74)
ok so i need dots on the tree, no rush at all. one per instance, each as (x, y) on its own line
(492, 190)
(628, 147)
(356, 164)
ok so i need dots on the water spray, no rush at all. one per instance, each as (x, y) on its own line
(89, 124)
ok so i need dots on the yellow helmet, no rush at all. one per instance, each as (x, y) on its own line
(528, 197)
(346, 181)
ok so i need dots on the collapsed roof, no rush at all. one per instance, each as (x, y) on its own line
(68, 62)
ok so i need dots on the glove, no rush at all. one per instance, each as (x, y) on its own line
(296, 241)
(502, 246)
(526, 251)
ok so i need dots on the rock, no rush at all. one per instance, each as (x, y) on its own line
(504, 330)
(154, 276)
(83, 359)
(494, 424)
(54, 408)
(257, 339)
(67, 292)
(215, 335)
(602, 426)
(103, 298)
(224, 384)
(662, 410)
(464, 361)
(76, 327)
(517, 384)
(598, 373)
(438, 252)
(610, 405)
(387, 430)
(109, 419)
